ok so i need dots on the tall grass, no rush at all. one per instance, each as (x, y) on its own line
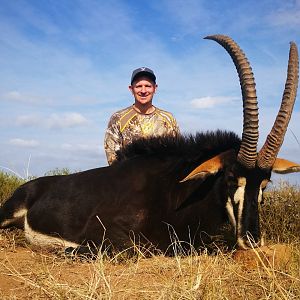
(280, 213)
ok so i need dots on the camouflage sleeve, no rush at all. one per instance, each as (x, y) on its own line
(113, 139)
(175, 127)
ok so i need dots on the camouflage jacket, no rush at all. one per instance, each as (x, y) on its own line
(128, 124)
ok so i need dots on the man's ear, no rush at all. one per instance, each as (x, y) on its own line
(211, 166)
(283, 166)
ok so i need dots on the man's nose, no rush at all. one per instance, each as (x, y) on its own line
(143, 89)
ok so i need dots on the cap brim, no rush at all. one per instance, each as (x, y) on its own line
(144, 73)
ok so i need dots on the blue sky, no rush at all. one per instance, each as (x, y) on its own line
(66, 65)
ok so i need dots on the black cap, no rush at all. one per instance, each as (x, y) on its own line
(143, 71)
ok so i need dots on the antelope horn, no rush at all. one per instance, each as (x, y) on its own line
(268, 153)
(248, 151)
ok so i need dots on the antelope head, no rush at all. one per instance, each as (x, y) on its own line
(248, 172)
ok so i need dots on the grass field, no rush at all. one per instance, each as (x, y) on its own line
(273, 272)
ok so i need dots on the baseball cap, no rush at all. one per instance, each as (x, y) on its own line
(143, 71)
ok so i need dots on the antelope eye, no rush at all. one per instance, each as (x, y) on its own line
(231, 177)
(232, 184)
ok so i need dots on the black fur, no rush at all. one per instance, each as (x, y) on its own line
(186, 147)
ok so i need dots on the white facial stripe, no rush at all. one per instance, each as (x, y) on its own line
(229, 208)
(240, 211)
(262, 186)
(40, 239)
(239, 194)
(259, 199)
(264, 183)
(238, 199)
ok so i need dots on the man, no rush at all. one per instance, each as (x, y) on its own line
(142, 119)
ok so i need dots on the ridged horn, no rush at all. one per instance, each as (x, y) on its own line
(268, 153)
(248, 151)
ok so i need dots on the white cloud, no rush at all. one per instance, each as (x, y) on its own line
(72, 119)
(24, 143)
(28, 120)
(16, 96)
(13, 95)
(66, 120)
(209, 102)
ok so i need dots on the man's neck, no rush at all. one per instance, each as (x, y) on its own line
(145, 110)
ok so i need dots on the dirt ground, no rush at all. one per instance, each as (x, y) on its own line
(21, 266)
(27, 272)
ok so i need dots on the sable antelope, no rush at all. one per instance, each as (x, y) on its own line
(188, 185)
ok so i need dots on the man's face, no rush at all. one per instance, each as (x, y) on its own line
(143, 90)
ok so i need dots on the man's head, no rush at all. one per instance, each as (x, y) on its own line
(143, 72)
(143, 87)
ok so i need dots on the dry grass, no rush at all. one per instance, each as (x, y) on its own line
(281, 213)
(32, 274)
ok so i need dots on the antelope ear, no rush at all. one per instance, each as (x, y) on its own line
(283, 166)
(211, 166)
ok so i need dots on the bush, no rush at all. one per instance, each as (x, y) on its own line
(63, 171)
(280, 213)
(8, 184)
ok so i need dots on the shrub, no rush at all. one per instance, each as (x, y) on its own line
(280, 213)
(8, 183)
(57, 171)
